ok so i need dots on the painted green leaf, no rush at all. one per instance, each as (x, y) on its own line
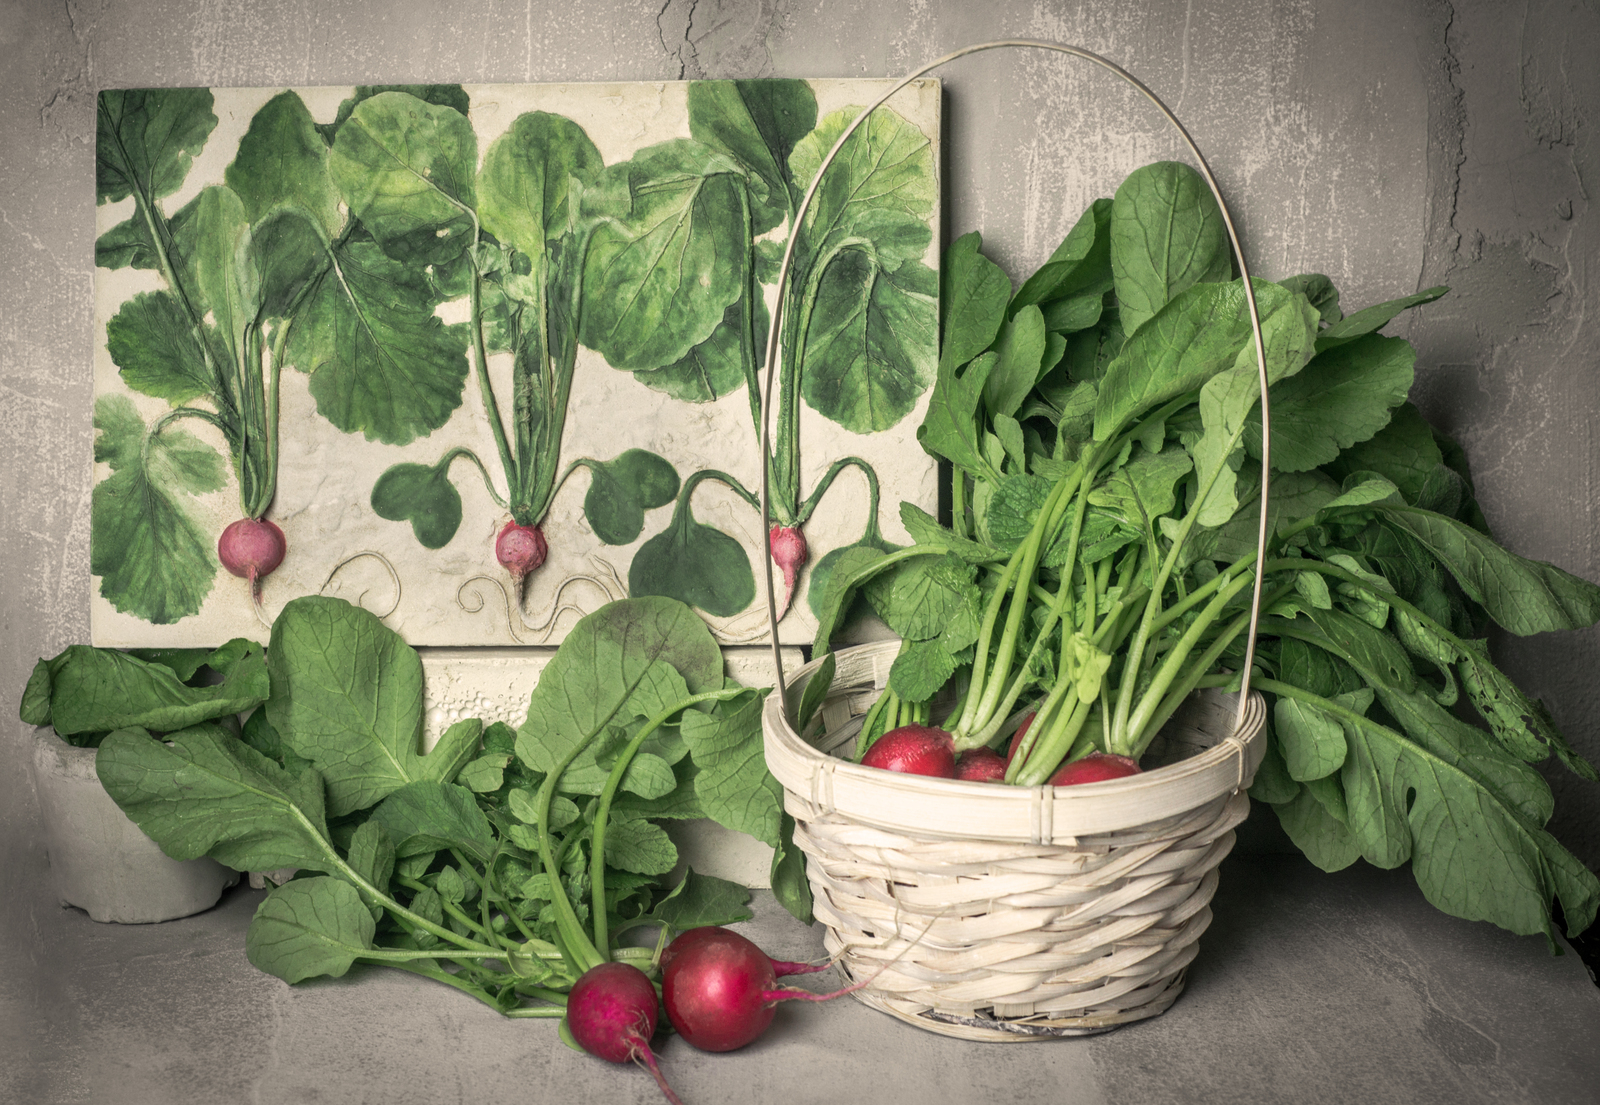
(526, 194)
(1371, 319)
(204, 792)
(880, 187)
(126, 245)
(622, 489)
(443, 95)
(422, 495)
(406, 168)
(154, 346)
(1166, 234)
(146, 139)
(381, 362)
(283, 163)
(347, 695)
(758, 124)
(1079, 269)
(695, 564)
(92, 690)
(154, 559)
(1525, 596)
(289, 253)
(718, 365)
(429, 815)
(1344, 396)
(869, 352)
(309, 927)
(734, 785)
(659, 278)
(225, 275)
(629, 659)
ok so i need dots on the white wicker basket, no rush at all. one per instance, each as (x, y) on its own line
(1011, 913)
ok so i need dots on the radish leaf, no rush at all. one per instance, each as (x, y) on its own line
(283, 163)
(758, 124)
(1344, 396)
(146, 139)
(733, 784)
(310, 927)
(973, 295)
(151, 341)
(1166, 235)
(422, 495)
(622, 489)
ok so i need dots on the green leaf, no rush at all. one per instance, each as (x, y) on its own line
(1166, 234)
(428, 815)
(695, 564)
(486, 773)
(811, 700)
(154, 559)
(1319, 291)
(1371, 319)
(127, 245)
(789, 883)
(422, 495)
(1015, 508)
(407, 168)
(203, 792)
(290, 253)
(1187, 342)
(659, 278)
(444, 95)
(1312, 741)
(146, 139)
(880, 187)
(608, 671)
(1078, 272)
(1317, 833)
(921, 669)
(870, 344)
(1344, 396)
(347, 695)
(1021, 346)
(381, 362)
(283, 163)
(950, 428)
(1525, 596)
(634, 844)
(309, 927)
(757, 123)
(1521, 723)
(973, 294)
(925, 530)
(152, 342)
(225, 275)
(919, 597)
(94, 690)
(700, 900)
(1272, 782)
(622, 489)
(1403, 452)
(734, 785)
(716, 367)
(371, 853)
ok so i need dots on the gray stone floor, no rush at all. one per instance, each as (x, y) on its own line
(1308, 988)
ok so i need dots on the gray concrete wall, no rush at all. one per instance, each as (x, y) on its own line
(1392, 144)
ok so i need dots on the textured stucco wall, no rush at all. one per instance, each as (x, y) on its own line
(1391, 145)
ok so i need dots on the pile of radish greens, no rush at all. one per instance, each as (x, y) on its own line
(504, 863)
(1103, 428)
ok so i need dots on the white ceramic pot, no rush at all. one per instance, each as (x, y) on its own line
(99, 860)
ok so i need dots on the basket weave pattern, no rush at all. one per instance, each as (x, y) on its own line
(1003, 938)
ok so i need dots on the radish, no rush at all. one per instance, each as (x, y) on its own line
(981, 765)
(790, 554)
(612, 1012)
(914, 750)
(719, 991)
(1094, 768)
(252, 548)
(520, 550)
(684, 941)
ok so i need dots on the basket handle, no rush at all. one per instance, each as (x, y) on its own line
(1244, 272)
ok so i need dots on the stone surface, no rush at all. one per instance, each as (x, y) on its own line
(1308, 988)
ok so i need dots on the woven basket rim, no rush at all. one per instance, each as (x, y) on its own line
(931, 807)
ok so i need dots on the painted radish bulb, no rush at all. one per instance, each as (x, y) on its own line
(252, 548)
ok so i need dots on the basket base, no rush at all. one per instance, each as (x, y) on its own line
(990, 1029)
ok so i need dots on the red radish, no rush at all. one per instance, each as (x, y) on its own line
(1094, 768)
(1016, 738)
(686, 940)
(612, 1013)
(981, 765)
(252, 548)
(720, 992)
(520, 550)
(790, 554)
(914, 750)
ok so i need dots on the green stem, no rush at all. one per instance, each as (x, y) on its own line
(462, 451)
(481, 357)
(807, 508)
(597, 841)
